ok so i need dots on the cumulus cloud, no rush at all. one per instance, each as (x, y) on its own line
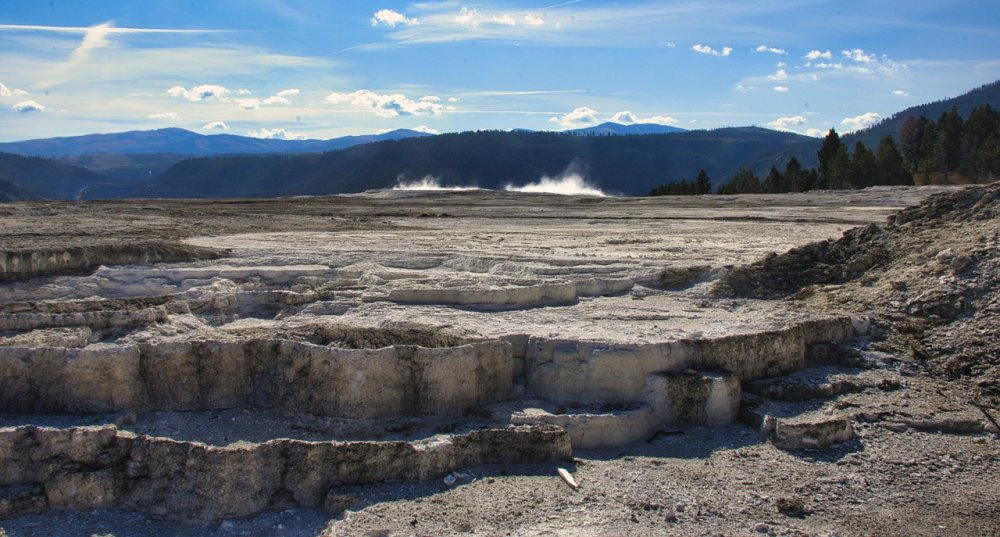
(452, 99)
(786, 123)
(473, 18)
(165, 115)
(278, 98)
(201, 93)
(705, 49)
(425, 129)
(781, 89)
(815, 133)
(900, 93)
(390, 18)
(275, 134)
(215, 126)
(579, 117)
(860, 122)
(858, 55)
(388, 105)
(779, 75)
(628, 118)
(815, 55)
(533, 20)
(772, 50)
(27, 106)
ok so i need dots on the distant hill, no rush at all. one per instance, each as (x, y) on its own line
(806, 151)
(985, 94)
(629, 165)
(617, 129)
(185, 142)
(46, 178)
(12, 192)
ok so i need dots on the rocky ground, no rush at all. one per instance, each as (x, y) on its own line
(917, 398)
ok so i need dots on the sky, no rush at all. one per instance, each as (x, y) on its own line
(311, 69)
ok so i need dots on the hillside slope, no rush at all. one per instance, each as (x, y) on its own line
(629, 165)
(46, 178)
(185, 142)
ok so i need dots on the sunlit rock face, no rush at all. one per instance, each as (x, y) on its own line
(420, 334)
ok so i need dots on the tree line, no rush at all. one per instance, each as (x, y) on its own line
(970, 147)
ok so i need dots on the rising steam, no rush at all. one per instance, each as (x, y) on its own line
(428, 183)
(569, 183)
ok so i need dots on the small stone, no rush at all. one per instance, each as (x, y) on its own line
(670, 517)
(761, 527)
(680, 507)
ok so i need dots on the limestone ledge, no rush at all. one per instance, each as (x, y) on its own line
(103, 467)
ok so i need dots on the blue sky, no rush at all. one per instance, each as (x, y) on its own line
(278, 68)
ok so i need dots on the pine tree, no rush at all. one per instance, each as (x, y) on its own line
(703, 183)
(891, 166)
(793, 175)
(864, 170)
(827, 153)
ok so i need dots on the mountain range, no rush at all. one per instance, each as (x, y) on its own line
(625, 159)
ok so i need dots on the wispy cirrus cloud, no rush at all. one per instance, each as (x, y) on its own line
(173, 116)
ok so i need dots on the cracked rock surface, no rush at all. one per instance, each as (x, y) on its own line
(400, 363)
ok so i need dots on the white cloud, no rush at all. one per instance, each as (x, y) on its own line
(290, 92)
(216, 126)
(452, 99)
(391, 18)
(705, 49)
(388, 105)
(200, 93)
(772, 50)
(27, 106)
(5, 91)
(425, 129)
(628, 118)
(900, 93)
(165, 115)
(533, 20)
(858, 55)
(860, 122)
(275, 134)
(781, 89)
(780, 75)
(827, 65)
(473, 18)
(815, 55)
(786, 123)
(579, 117)
(815, 133)
(741, 88)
